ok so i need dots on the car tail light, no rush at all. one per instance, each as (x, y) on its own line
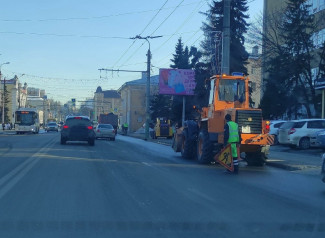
(65, 127)
(77, 118)
(90, 127)
(98, 130)
(291, 131)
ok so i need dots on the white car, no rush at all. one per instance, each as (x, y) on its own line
(105, 131)
(52, 126)
(298, 133)
(274, 129)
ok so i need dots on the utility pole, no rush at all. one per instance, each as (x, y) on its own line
(148, 79)
(148, 82)
(225, 69)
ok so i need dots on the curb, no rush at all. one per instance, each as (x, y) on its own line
(283, 166)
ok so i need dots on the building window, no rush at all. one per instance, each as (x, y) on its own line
(253, 71)
(319, 38)
(315, 5)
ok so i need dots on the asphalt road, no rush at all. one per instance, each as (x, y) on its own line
(133, 188)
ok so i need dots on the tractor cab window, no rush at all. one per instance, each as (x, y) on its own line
(231, 90)
(211, 96)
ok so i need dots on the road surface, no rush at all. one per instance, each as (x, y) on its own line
(133, 188)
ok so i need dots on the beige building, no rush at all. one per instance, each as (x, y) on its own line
(133, 96)
(17, 96)
(254, 69)
(106, 101)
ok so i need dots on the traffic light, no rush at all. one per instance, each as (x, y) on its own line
(73, 100)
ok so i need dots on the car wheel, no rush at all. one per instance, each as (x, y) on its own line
(63, 141)
(91, 142)
(304, 143)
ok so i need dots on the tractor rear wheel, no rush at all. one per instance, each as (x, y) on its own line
(204, 148)
(188, 146)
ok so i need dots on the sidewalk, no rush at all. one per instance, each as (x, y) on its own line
(295, 159)
(287, 160)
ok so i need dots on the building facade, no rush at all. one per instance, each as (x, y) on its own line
(17, 97)
(133, 96)
(254, 69)
(273, 11)
(106, 101)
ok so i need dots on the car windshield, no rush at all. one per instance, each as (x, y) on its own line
(289, 125)
(78, 121)
(278, 124)
(106, 126)
(52, 124)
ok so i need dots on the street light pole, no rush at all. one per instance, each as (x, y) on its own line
(3, 94)
(148, 82)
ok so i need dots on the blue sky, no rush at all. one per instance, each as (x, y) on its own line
(60, 45)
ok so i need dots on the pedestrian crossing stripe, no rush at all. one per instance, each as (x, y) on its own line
(225, 158)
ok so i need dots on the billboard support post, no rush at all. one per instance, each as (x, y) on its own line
(183, 111)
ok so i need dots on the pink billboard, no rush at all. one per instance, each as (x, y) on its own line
(176, 81)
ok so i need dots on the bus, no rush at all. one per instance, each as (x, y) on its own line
(27, 120)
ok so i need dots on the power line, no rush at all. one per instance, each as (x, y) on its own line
(184, 22)
(154, 31)
(140, 33)
(93, 17)
(81, 36)
(63, 35)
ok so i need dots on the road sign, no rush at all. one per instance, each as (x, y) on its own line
(225, 158)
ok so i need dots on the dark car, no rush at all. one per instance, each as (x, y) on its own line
(78, 128)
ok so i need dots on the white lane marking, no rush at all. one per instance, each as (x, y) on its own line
(146, 164)
(20, 171)
(18, 177)
(14, 171)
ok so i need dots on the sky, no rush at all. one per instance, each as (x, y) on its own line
(60, 45)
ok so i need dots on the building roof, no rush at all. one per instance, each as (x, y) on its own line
(108, 93)
(111, 94)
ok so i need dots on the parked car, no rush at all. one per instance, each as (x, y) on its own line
(274, 129)
(319, 139)
(52, 126)
(78, 128)
(298, 133)
(105, 131)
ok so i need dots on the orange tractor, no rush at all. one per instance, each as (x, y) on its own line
(203, 139)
